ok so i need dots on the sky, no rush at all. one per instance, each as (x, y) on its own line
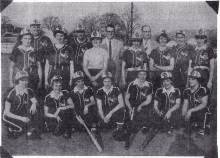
(159, 15)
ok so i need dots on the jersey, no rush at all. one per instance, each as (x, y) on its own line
(202, 57)
(161, 58)
(25, 60)
(59, 61)
(81, 98)
(20, 103)
(109, 100)
(139, 94)
(166, 101)
(194, 97)
(134, 58)
(36, 42)
(182, 57)
(79, 49)
(53, 103)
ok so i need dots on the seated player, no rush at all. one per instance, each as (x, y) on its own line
(20, 113)
(58, 109)
(110, 103)
(139, 97)
(166, 104)
(195, 102)
(84, 101)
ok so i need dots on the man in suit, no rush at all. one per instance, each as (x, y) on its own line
(114, 47)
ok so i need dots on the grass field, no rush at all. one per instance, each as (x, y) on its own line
(80, 144)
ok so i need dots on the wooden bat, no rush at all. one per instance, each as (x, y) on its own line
(94, 140)
(132, 114)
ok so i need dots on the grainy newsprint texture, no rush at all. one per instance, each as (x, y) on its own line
(114, 79)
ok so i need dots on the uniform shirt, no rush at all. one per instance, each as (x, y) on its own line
(25, 59)
(109, 98)
(194, 97)
(36, 42)
(81, 98)
(161, 58)
(165, 99)
(20, 100)
(60, 58)
(139, 94)
(95, 58)
(134, 58)
(182, 57)
(202, 56)
(53, 103)
(79, 49)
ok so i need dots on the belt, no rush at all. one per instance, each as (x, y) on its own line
(133, 69)
(201, 67)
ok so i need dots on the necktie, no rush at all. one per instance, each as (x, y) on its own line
(110, 49)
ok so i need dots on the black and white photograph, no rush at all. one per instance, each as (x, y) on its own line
(109, 78)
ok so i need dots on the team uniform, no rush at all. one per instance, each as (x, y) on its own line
(110, 101)
(26, 60)
(59, 60)
(65, 115)
(138, 94)
(201, 61)
(134, 59)
(161, 58)
(165, 102)
(194, 101)
(80, 99)
(20, 105)
(79, 49)
(182, 57)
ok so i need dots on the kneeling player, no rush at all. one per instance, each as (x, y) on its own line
(20, 114)
(195, 102)
(110, 103)
(58, 109)
(166, 102)
(84, 101)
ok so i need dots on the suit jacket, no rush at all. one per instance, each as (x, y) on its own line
(117, 45)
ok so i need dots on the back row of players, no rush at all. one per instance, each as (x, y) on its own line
(82, 68)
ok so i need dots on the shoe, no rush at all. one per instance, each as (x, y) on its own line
(58, 131)
(34, 134)
(201, 132)
(144, 130)
(67, 134)
(127, 144)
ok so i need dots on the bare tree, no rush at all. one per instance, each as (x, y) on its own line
(5, 20)
(130, 21)
(51, 22)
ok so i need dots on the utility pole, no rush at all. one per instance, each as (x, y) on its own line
(132, 16)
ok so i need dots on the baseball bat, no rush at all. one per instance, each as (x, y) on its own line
(94, 140)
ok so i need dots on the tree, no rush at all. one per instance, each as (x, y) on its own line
(130, 21)
(5, 20)
(90, 23)
(51, 22)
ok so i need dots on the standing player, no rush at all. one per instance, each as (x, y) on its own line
(95, 61)
(114, 48)
(58, 109)
(183, 59)
(84, 101)
(195, 102)
(161, 59)
(20, 113)
(79, 44)
(133, 58)
(24, 58)
(110, 103)
(203, 59)
(59, 61)
(138, 99)
(166, 103)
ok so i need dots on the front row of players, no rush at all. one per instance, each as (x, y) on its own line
(106, 108)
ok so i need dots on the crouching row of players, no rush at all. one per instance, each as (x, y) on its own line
(105, 108)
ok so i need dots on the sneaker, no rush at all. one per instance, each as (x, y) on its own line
(33, 135)
(201, 132)
(67, 134)
(144, 130)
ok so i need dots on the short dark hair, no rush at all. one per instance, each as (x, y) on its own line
(163, 34)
